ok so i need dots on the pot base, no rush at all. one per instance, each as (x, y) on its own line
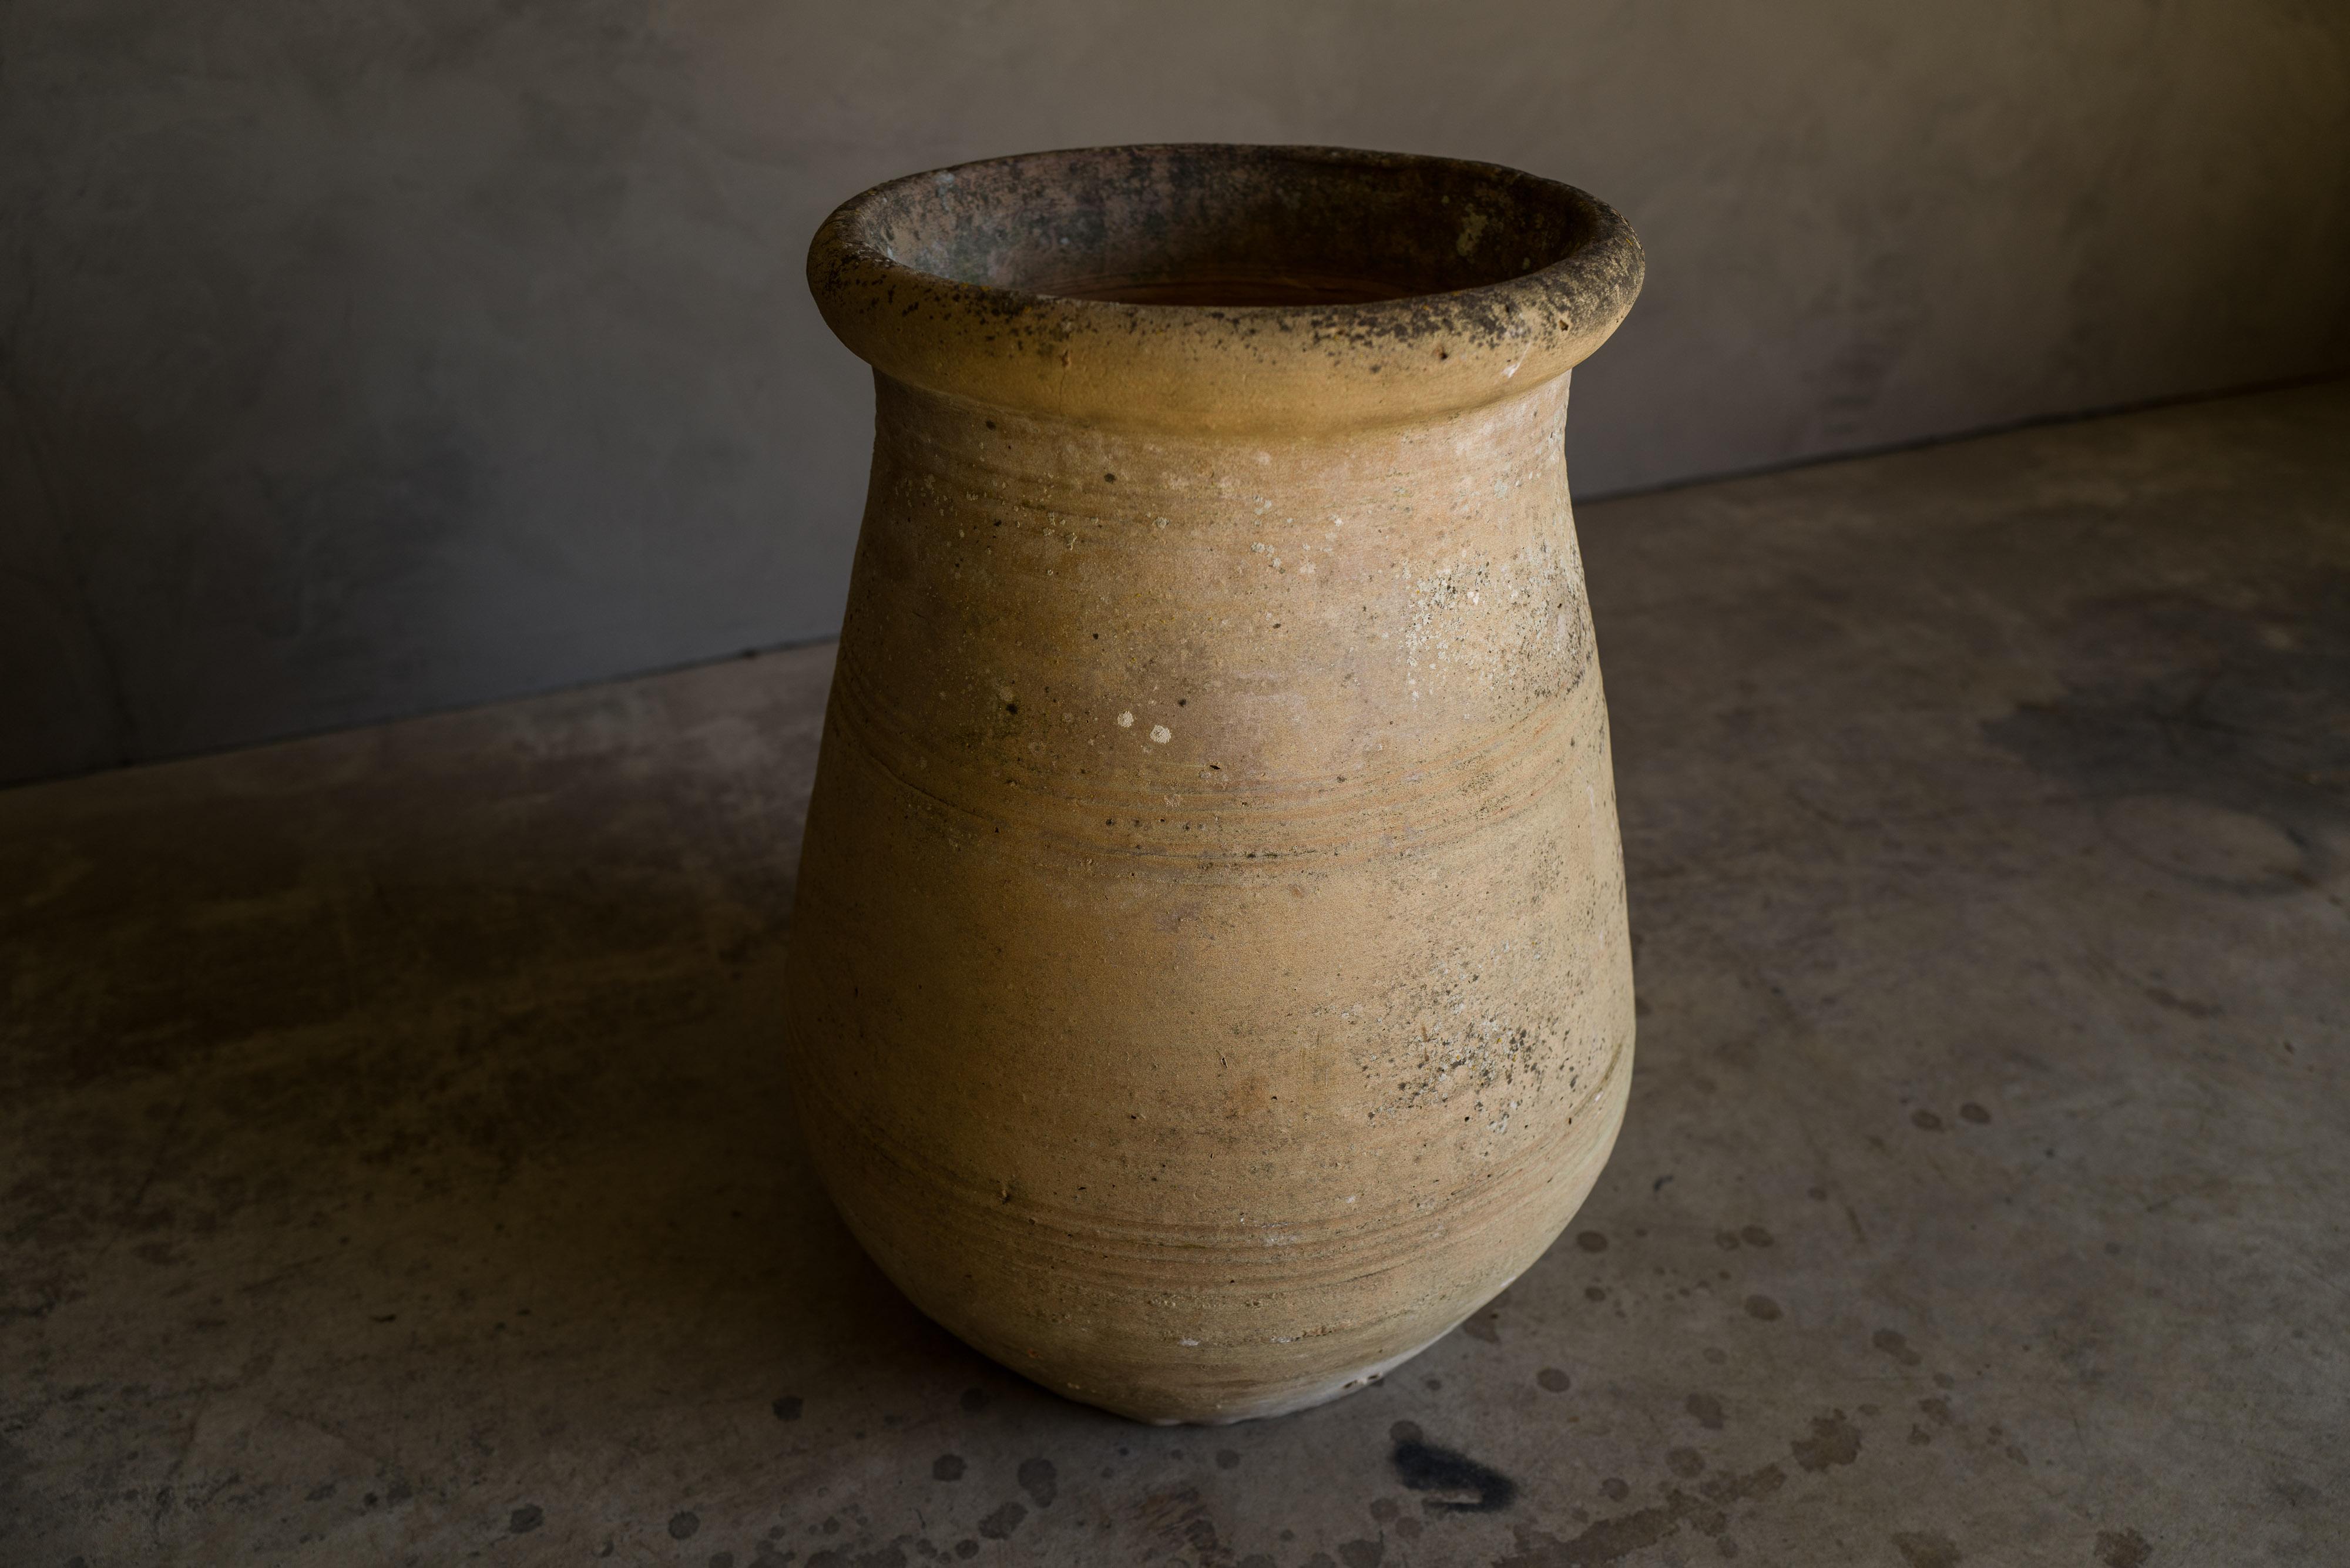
(1290, 1404)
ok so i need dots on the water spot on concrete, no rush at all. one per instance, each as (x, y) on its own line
(1686, 1463)
(1485, 1326)
(1552, 1379)
(1362, 1554)
(2206, 724)
(2203, 841)
(947, 1468)
(1467, 1486)
(1920, 1549)
(1593, 1293)
(1591, 1241)
(1615, 1489)
(525, 1519)
(1833, 1441)
(2177, 1003)
(1754, 1236)
(1040, 1480)
(1896, 1345)
(1228, 1458)
(966, 1548)
(1924, 1120)
(1611, 1540)
(1729, 1488)
(1726, 1239)
(1938, 1409)
(999, 1525)
(1974, 1112)
(1404, 1432)
(788, 1408)
(1706, 1410)
(726, 1560)
(1602, 1542)
(2123, 1548)
(1199, 1531)
(1762, 1307)
(682, 1525)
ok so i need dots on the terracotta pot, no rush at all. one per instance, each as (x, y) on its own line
(1210, 980)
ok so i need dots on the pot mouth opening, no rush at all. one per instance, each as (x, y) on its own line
(1216, 227)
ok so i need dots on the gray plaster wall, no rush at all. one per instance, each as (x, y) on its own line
(368, 356)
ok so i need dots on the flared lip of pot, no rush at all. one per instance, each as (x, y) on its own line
(1264, 368)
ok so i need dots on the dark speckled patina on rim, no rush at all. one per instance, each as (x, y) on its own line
(1215, 287)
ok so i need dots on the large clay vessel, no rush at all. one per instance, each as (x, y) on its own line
(1210, 980)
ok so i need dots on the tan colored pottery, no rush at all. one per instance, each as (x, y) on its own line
(1210, 980)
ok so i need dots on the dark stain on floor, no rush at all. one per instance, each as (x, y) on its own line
(1604, 1541)
(2242, 710)
(1470, 1487)
(1923, 1549)
(1833, 1441)
(1040, 1480)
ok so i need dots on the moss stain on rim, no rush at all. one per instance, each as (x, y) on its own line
(1212, 286)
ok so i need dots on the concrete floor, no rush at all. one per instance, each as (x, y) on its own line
(397, 1167)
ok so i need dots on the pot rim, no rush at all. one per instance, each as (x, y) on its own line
(1264, 367)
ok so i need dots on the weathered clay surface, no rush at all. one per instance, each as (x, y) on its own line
(1210, 980)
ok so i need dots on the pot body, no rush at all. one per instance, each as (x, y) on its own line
(1210, 980)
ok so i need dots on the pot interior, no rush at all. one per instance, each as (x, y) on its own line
(1228, 225)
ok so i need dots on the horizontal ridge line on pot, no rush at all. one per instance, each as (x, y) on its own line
(1026, 1224)
(1438, 1307)
(1115, 1258)
(1058, 492)
(1221, 285)
(1309, 818)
